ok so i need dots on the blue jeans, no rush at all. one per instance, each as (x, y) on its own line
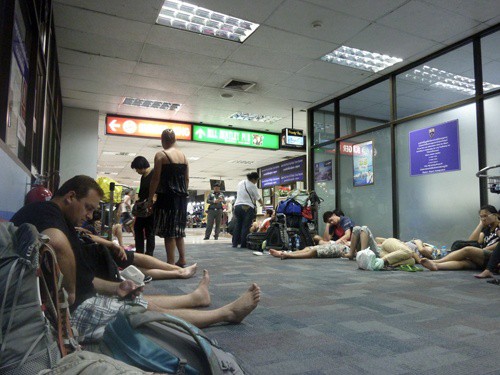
(244, 217)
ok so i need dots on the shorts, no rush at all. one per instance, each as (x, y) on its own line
(331, 250)
(487, 255)
(92, 316)
(122, 264)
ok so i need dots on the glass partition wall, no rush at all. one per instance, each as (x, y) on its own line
(404, 151)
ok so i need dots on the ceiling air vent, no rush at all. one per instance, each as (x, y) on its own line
(238, 85)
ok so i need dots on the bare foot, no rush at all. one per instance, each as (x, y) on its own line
(188, 272)
(201, 296)
(486, 274)
(276, 253)
(429, 264)
(244, 305)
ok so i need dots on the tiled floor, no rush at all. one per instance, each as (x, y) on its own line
(323, 316)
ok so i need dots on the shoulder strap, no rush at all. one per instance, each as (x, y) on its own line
(245, 184)
(168, 157)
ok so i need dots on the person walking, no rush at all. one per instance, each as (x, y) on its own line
(215, 203)
(244, 208)
(170, 182)
(144, 219)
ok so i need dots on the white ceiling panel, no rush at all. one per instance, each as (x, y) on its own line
(360, 8)
(428, 21)
(297, 17)
(192, 42)
(110, 26)
(277, 40)
(112, 48)
(266, 58)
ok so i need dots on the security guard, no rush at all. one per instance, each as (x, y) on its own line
(215, 201)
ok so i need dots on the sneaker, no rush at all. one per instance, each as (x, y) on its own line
(147, 279)
(206, 238)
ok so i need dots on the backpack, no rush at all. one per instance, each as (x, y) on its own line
(277, 235)
(153, 341)
(27, 345)
(289, 207)
(305, 238)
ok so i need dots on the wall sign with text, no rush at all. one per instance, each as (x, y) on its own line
(146, 128)
(435, 149)
(235, 137)
(283, 173)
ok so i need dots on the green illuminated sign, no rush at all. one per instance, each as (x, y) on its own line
(234, 137)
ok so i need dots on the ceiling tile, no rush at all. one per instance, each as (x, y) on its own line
(265, 58)
(482, 12)
(360, 8)
(427, 21)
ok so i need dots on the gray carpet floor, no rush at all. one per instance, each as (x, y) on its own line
(324, 316)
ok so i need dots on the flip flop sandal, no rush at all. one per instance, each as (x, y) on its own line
(417, 269)
(406, 267)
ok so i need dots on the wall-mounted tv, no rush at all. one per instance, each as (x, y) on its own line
(293, 139)
(283, 173)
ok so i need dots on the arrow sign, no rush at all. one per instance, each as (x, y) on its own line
(114, 125)
(200, 133)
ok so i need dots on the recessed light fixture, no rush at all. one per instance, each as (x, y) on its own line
(193, 158)
(148, 103)
(359, 59)
(254, 117)
(190, 17)
(446, 80)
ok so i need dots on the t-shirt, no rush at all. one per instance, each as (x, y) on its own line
(44, 215)
(337, 231)
(246, 194)
(490, 236)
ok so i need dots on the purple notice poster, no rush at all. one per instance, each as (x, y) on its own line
(435, 149)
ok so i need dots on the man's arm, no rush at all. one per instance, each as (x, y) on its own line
(345, 238)
(66, 260)
(116, 249)
(124, 289)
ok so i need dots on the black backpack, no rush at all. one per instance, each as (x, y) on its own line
(277, 235)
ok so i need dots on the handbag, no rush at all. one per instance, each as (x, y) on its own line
(141, 209)
(457, 245)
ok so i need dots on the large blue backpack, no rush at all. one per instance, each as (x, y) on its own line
(153, 341)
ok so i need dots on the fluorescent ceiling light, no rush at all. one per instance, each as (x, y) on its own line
(193, 158)
(147, 103)
(246, 162)
(186, 16)
(110, 173)
(254, 117)
(446, 80)
(359, 59)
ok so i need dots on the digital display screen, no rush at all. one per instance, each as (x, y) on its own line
(283, 173)
(293, 138)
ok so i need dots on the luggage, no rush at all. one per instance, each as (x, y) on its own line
(104, 183)
(255, 240)
(277, 235)
(26, 341)
(289, 207)
(301, 237)
(154, 341)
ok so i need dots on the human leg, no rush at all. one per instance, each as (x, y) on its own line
(470, 253)
(139, 235)
(181, 248)
(117, 232)
(233, 312)
(308, 252)
(170, 249)
(150, 234)
(247, 223)
(159, 270)
(218, 218)
(210, 223)
(492, 266)
(238, 213)
(394, 251)
(452, 265)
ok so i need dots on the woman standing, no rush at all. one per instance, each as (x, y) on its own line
(144, 219)
(170, 182)
(244, 208)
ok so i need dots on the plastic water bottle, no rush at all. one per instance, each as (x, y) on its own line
(297, 242)
(434, 253)
(444, 251)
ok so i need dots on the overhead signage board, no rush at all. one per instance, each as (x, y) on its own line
(293, 139)
(283, 173)
(146, 128)
(235, 137)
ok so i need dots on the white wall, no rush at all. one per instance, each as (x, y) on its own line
(80, 135)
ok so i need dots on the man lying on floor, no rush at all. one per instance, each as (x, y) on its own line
(96, 302)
